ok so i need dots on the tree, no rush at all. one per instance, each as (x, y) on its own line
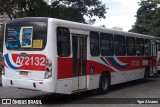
(148, 18)
(20, 8)
(73, 10)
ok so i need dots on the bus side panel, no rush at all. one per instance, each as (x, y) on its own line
(65, 66)
(122, 69)
(128, 75)
(158, 61)
(51, 50)
(64, 86)
(93, 81)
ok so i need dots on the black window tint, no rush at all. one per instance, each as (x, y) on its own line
(63, 42)
(94, 43)
(119, 45)
(40, 34)
(147, 47)
(130, 42)
(106, 44)
(139, 47)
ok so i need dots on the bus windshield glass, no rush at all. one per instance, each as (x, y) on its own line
(26, 36)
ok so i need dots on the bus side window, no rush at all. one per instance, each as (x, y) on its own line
(106, 44)
(139, 47)
(147, 47)
(94, 43)
(63, 42)
(131, 50)
(119, 45)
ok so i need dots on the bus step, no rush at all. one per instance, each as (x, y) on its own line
(80, 90)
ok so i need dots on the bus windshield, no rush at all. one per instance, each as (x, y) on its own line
(26, 36)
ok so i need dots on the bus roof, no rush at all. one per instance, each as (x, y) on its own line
(87, 27)
(31, 19)
(81, 26)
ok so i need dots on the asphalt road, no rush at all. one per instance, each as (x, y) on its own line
(128, 93)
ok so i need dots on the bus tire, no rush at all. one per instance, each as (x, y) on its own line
(146, 74)
(104, 83)
(158, 71)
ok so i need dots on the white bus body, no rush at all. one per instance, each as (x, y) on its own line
(60, 56)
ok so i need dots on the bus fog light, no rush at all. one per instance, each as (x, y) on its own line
(48, 69)
(3, 68)
(3, 73)
(48, 75)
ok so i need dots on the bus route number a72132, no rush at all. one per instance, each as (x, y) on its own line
(30, 61)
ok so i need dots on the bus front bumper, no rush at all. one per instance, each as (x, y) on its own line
(46, 85)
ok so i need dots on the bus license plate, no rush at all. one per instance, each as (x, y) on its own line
(24, 73)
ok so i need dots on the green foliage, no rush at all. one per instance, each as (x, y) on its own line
(148, 18)
(73, 10)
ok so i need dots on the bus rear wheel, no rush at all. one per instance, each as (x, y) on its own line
(146, 74)
(104, 83)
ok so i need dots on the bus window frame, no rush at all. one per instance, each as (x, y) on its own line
(110, 45)
(120, 45)
(147, 47)
(68, 42)
(98, 50)
(140, 46)
(129, 46)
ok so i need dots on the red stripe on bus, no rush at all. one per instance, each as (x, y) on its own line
(65, 66)
(34, 62)
(98, 68)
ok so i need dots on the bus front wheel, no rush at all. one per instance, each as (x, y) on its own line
(104, 83)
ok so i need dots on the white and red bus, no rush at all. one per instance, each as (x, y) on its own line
(158, 55)
(60, 56)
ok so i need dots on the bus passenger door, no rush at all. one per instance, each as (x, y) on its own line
(158, 57)
(79, 48)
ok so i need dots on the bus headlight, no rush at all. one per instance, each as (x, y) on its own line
(48, 69)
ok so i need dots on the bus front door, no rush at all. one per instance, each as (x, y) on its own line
(79, 48)
(154, 58)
